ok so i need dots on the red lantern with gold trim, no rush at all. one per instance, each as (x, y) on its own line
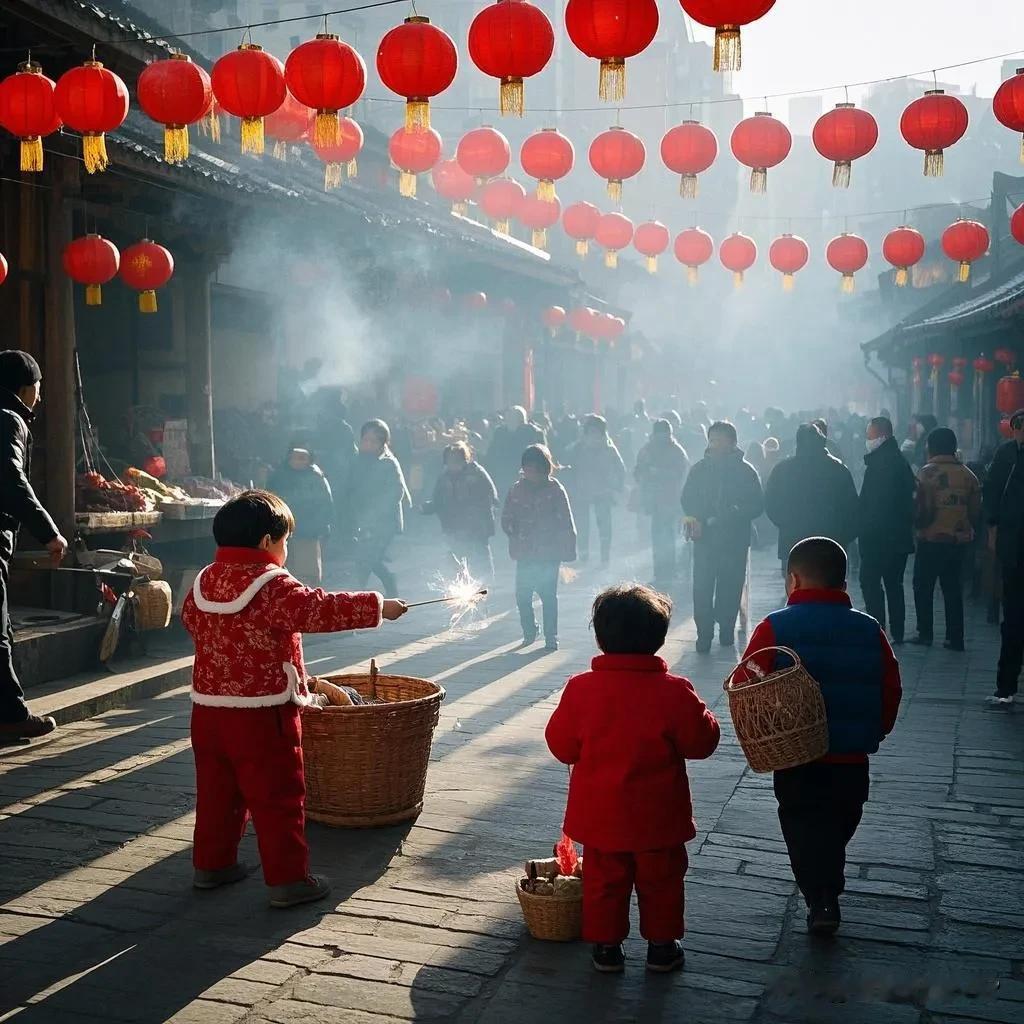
(28, 110)
(326, 75)
(1008, 106)
(616, 155)
(580, 223)
(612, 31)
(1017, 224)
(904, 248)
(843, 135)
(548, 156)
(249, 83)
(1010, 393)
(483, 153)
(290, 123)
(738, 253)
(847, 253)
(1005, 356)
(554, 318)
(761, 142)
(651, 239)
(788, 254)
(92, 100)
(689, 149)
(934, 122)
(727, 17)
(451, 182)
(175, 93)
(342, 155)
(417, 60)
(693, 249)
(413, 151)
(964, 242)
(539, 215)
(146, 267)
(91, 260)
(500, 200)
(614, 232)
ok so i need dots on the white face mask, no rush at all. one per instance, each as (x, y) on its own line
(877, 443)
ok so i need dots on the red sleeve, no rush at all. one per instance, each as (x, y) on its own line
(697, 735)
(762, 637)
(892, 688)
(294, 608)
(562, 733)
(188, 608)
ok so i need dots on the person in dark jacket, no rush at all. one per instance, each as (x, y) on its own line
(811, 494)
(885, 527)
(597, 477)
(20, 382)
(464, 500)
(377, 499)
(1004, 513)
(661, 468)
(510, 440)
(304, 488)
(721, 499)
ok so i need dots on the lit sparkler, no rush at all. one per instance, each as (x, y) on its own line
(463, 592)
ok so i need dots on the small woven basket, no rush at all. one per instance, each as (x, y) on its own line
(779, 719)
(152, 604)
(366, 765)
(552, 918)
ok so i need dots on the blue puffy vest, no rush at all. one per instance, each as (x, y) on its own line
(842, 650)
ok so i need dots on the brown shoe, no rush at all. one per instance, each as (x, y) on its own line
(30, 729)
(315, 887)
(223, 876)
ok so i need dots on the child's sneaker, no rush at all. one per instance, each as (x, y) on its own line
(1000, 702)
(665, 957)
(608, 959)
(315, 887)
(223, 876)
(823, 916)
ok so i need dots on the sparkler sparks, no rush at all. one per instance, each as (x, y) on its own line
(463, 592)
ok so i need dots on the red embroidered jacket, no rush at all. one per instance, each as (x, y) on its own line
(247, 615)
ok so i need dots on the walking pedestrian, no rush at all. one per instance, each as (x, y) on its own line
(885, 527)
(661, 468)
(510, 440)
(721, 499)
(948, 509)
(20, 386)
(300, 482)
(597, 478)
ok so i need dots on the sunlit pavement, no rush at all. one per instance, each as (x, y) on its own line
(97, 919)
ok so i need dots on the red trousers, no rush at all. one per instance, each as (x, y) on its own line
(608, 882)
(249, 763)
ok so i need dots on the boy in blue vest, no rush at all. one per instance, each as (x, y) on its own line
(846, 651)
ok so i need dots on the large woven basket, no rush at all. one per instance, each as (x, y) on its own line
(552, 918)
(779, 718)
(366, 765)
(152, 604)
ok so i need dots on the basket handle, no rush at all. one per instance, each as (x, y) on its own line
(373, 679)
(728, 684)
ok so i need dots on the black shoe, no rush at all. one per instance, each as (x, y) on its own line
(921, 641)
(665, 957)
(950, 646)
(528, 638)
(31, 728)
(703, 644)
(608, 959)
(823, 916)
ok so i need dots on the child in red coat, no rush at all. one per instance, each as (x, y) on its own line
(627, 728)
(247, 614)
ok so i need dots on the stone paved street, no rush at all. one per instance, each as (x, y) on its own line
(98, 922)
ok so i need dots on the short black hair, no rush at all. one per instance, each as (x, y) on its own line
(1018, 418)
(246, 519)
(722, 427)
(595, 424)
(662, 427)
(378, 427)
(942, 441)
(538, 456)
(460, 449)
(819, 560)
(822, 424)
(882, 424)
(631, 618)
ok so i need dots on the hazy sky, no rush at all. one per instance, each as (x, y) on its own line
(804, 44)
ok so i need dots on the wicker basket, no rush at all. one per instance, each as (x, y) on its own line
(366, 765)
(780, 718)
(552, 918)
(152, 605)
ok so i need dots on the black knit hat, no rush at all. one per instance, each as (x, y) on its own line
(18, 370)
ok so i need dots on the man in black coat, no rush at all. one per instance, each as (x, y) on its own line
(811, 494)
(886, 526)
(1004, 512)
(19, 394)
(721, 498)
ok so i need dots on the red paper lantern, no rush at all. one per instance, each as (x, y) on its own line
(843, 135)
(1008, 105)
(146, 267)
(342, 154)
(788, 254)
(475, 302)
(934, 122)
(983, 365)
(413, 151)
(936, 360)
(738, 253)
(726, 17)
(290, 123)
(689, 149)
(92, 100)
(483, 153)
(511, 40)
(1005, 356)
(155, 465)
(651, 240)
(451, 182)
(580, 223)
(956, 378)
(617, 155)
(903, 247)
(249, 83)
(539, 215)
(847, 254)
(28, 110)
(548, 156)
(326, 75)
(1010, 394)
(93, 261)
(614, 327)
(761, 142)
(614, 232)
(611, 31)
(581, 319)
(1017, 224)
(3, 268)
(417, 60)
(175, 93)
(554, 318)
(500, 200)
(965, 241)
(420, 397)
(693, 249)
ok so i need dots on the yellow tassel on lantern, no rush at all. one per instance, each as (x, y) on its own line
(461, 209)
(417, 115)
(546, 190)
(332, 176)
(737, 279)
(689, 186)
(540, 238)
(94, 153)
(787, 282)
(252, 136)
(352, 168)
(902, 276)
(211, 125)
(326, 128)
(614, 190)
(32, 154)
(728, 48)
(1022, 149)
(611, 258)
(582, 248)
(848, 287)
(759, 179)
(176, 147)
(511, 97)
(965, 272)
(652, 264)
(407, 184)
(841, 174)
(692, 274)
(93, 295)
(147, 301)
(934, 163)
(612, 83)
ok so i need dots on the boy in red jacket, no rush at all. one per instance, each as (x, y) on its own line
(247, 614)
(627, 728)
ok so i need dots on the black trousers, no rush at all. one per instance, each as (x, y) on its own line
(603, 516)
(878, 571)
(664, 537)
(820, 807)
(1011, 654)
(12, 698)
(540, 578)
(719, 571)
(943, 563)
